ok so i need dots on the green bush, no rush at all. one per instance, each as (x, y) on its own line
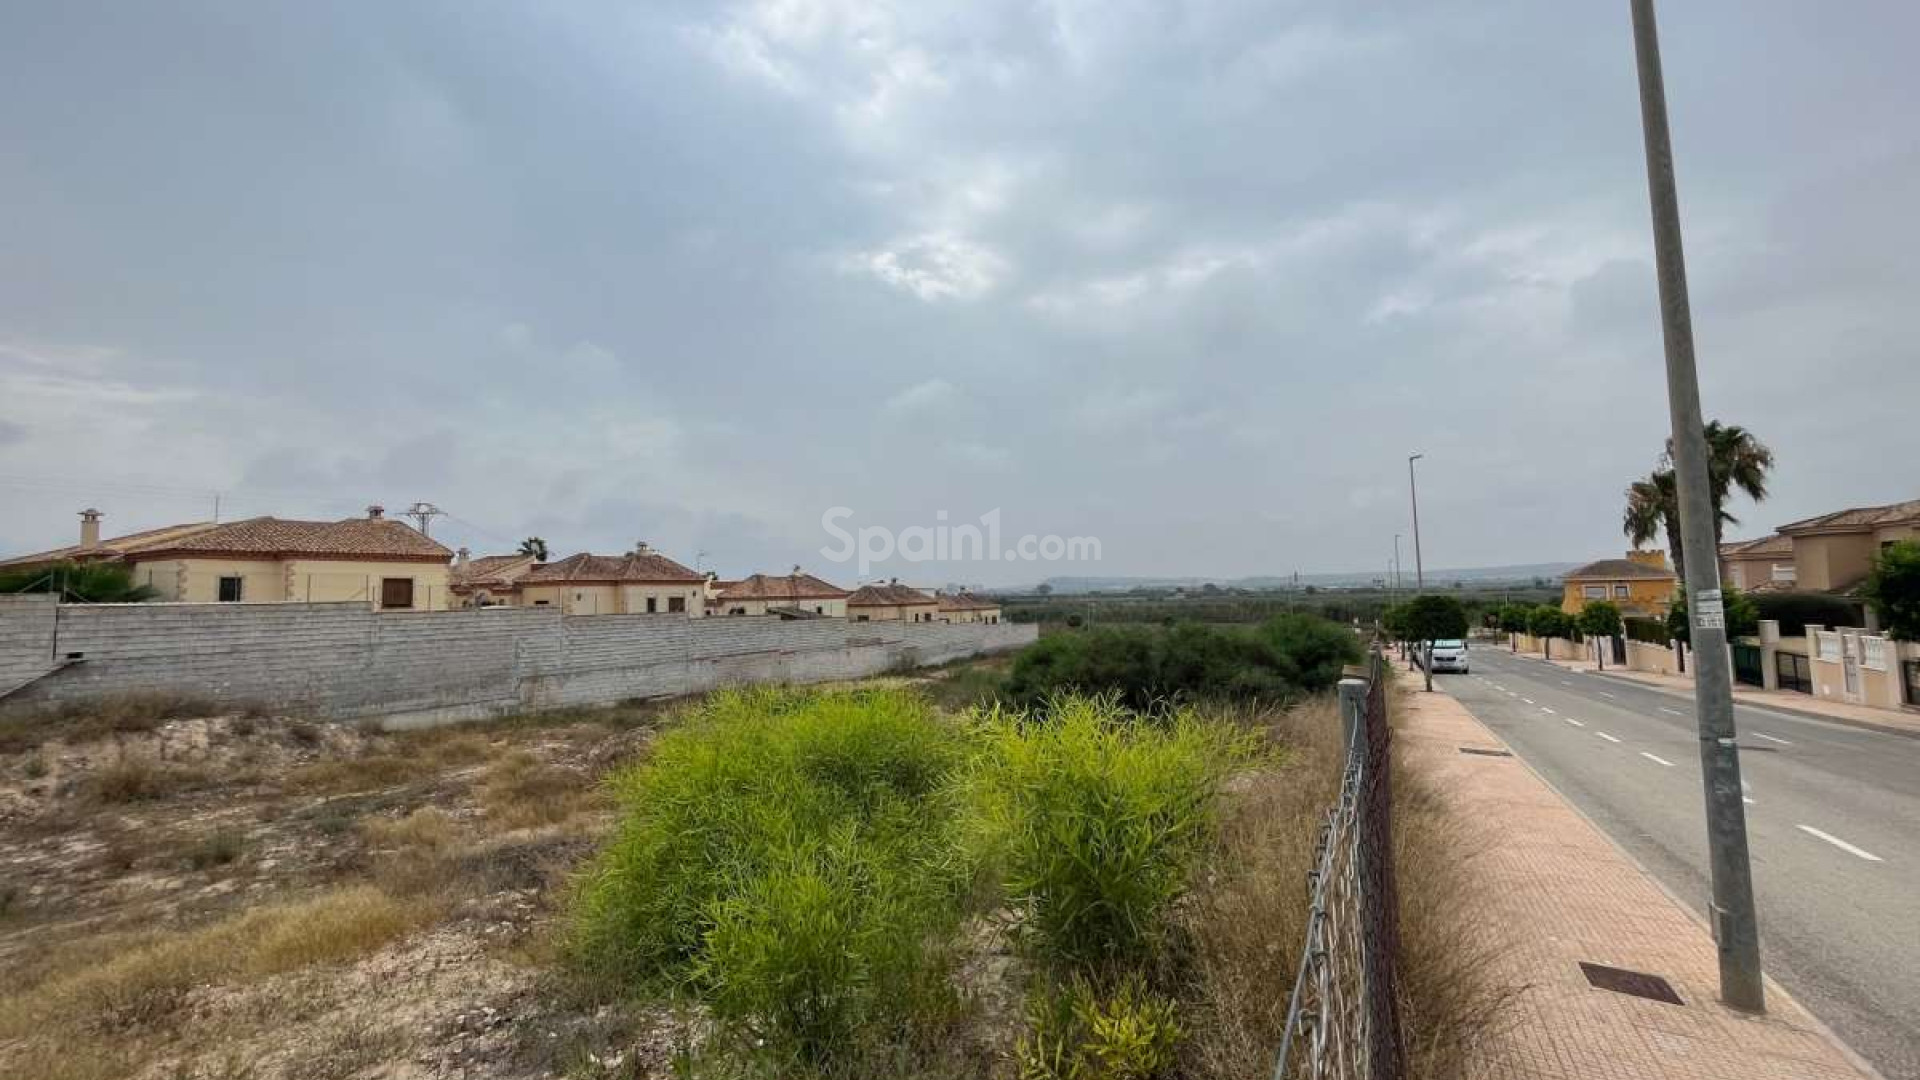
(1077, 1034)
(1145, 667)
(1796, 611)
(1650, 631)
(790, 859)
(1893, 587)
(1093, 822)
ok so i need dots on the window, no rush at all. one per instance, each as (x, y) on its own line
(738, 611)
(653, 605)
(230, 588)
(1594, 592)
(818, 610)
(677, 604)
(542, 603)
(859, 618)
(396, 592)
(1620, 592)
(1784, 572)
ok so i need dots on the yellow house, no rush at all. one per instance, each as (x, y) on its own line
(891, 602)
(273, 560)
(964, 607)
(641, 582)
(795, 593)
(1639, 585)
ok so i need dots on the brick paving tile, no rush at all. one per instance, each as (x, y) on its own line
(1554, 891)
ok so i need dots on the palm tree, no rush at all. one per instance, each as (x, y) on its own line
(1735, 460)
(535, 547)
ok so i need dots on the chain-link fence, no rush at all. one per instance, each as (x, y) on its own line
(1344, 1019)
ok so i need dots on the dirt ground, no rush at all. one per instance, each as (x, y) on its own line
(263, 897)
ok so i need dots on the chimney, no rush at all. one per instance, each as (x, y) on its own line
(640, 548)
(460, 557)
(89, 529)
(796, 569)
(376, 512)
(1655, 558)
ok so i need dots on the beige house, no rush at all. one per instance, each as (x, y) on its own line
(891, 602)
(641, 582)
(488, 581)
(796, 593)
(1763, 565)
(272, 560)
(1833, 552)
(964, 607)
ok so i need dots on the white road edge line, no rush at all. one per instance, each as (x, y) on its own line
(1771, 738)
(1575, 723)
(1839, 843)
(1657, 760)
(1606, 736)
(1603, 693)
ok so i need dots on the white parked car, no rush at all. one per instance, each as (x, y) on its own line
(1450, 655)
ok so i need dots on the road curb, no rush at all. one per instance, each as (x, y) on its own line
(1843, 721)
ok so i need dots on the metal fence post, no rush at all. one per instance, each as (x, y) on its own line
(1353, 707)
(1379, 896)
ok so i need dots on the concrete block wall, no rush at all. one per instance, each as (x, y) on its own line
(343, 660)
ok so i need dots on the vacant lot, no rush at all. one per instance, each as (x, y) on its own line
(253, 898)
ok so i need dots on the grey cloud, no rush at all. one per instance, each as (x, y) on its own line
(1190, 276)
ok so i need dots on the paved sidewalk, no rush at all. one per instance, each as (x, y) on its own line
(1840, 712)
(1557, 892)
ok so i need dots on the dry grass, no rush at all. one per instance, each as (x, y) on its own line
(1247, 914)
(522, 792)
(124, 714)
(367, 772)
(1452, 996)
(422, 831)
(134, 777)
(144, 981)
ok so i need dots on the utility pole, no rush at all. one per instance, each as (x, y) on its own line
(423, 514)
(1736, 929)
(1413, 488)
(1396, 561)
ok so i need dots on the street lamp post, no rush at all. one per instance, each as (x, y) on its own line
(1736, 929)
(1413, 488)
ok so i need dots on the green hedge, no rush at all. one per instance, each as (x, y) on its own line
(1649, 631)
(1796, 611)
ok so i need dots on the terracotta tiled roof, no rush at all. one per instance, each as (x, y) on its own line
(964, 602)
(490, 571)
(787, 587)
(110, 549)
(888, 595)
(1611, 569)
(1860, 517)
(359, 537)
(1766, 545)
(582, 568)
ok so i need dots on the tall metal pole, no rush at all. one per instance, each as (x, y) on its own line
(1735, 924)
(1413, 487)
(1396, 560)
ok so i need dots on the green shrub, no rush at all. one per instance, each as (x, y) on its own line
(1650, 631)
(1146, 666)
(1093, 821)
(1075, 1034)
(1893, 588)
(1795, 611)
(789, 858)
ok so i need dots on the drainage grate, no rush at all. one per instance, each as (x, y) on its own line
(1485, 753)
(1637, 983)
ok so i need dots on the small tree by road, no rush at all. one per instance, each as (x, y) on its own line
(1432, 618)
(1393, 623)
(1547, 622)
(1743, 615)
(1513, 620)
(1600, 619)
(1893, 588)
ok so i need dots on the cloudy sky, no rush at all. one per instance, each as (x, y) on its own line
(1190, 278)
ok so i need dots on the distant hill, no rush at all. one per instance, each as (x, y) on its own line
(1479, 575)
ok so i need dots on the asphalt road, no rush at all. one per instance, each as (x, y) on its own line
(1833, 821)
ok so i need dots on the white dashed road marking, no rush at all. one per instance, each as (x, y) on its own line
(1528, 700)
(1839, 843)
(1603, 693)
(1546, 710)
(1575, 723)
(1771, 738)
(1657, 760)
(1675, 712)
(1606, 736)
